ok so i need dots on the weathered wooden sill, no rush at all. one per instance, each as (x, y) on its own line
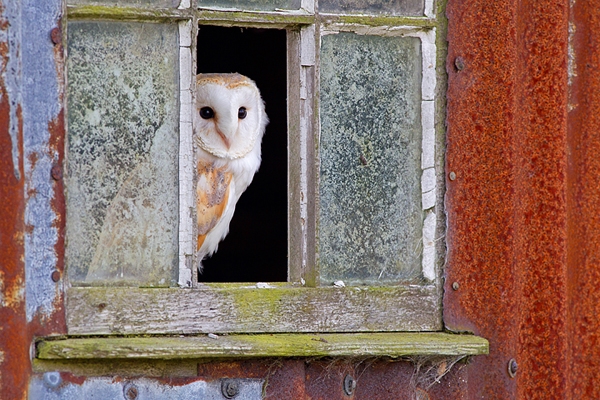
(244, 308)
(264, 345)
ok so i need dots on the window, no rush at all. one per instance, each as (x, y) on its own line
(351, 243)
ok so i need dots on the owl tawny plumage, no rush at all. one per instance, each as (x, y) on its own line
(229, 123)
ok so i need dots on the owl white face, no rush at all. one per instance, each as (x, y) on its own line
(230, 115)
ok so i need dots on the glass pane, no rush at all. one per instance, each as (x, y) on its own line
(122, 152)
(398, 7)
(260, 5)
(370, 222)
(129, 3)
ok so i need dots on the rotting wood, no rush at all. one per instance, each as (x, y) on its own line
(266, 345)
(238, 308)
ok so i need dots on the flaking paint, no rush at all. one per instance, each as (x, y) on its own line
(41, 103)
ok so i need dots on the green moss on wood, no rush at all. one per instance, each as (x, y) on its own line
(265, 345)
(125, 13)
(380, 20)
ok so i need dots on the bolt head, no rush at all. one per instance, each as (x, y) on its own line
(55, 276)
(459, 63)
(56, 172)
(452, 175)
(512, 367)
(229, 388)
(130, 391)
(52, 379)
(455, 286)
(56, 35)
(349, 385)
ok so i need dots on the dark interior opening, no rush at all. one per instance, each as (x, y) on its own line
(255, 250)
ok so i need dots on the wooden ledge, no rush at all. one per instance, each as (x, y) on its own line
(264, 345)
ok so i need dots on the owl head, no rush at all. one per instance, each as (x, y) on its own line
(230, 116)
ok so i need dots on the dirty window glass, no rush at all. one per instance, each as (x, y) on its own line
(259, 5)
(370, 222)
(399, 7)
(128, 3)
(122, 152)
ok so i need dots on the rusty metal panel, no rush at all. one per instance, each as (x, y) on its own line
(284, 379)
(32, 223)
(51, 386)
(506, 202)
(583, 201)
(43, 146)
(14, 339)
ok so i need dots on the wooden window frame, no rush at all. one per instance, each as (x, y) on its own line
(299, 305)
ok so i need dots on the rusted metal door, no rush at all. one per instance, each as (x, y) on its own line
(522, 232)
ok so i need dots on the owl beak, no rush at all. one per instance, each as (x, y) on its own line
(224, 138)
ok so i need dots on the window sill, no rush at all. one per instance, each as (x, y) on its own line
(264, 345)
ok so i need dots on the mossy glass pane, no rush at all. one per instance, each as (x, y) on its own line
(370, 219)
(122, 152)
(258, 5)
(397, 7)
(129, 3)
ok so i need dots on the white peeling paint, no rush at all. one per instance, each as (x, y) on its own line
(186, 158)
(429, 226)
(428, 135)
(307, 6)
(428, 180)
(307, 46)
(428, 199)
(429, 11)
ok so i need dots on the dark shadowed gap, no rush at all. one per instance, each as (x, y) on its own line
(255, 250)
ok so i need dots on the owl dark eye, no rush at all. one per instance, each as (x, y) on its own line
(242, 113)
(207, 112)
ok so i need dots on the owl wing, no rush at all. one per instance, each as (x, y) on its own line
(215, 204)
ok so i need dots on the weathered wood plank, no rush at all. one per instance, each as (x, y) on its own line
(229, 308)
(266, 345)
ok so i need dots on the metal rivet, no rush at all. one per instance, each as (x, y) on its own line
(349, 385)
(55, 276)
(512, 367)
(229, 388)
(52, 379)
(130, 391)
(455, 285)
(459, 63)
(56, 35)
(452, 175)
(56, 172)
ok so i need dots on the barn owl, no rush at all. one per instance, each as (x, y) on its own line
(229, 123)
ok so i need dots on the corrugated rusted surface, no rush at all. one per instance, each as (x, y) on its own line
(284, 378)
(584, 202)
(507, 209)
(14, 343)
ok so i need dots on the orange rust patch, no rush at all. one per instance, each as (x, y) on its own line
(212, 193)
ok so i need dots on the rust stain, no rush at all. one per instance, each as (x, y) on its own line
(583, 201)
(284, 378)
(14, 338)
(507, 210)
(56, 324)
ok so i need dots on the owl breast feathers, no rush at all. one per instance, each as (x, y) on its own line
(229, 123)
